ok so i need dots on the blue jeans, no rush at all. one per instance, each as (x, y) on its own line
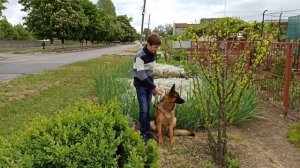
(144, 96)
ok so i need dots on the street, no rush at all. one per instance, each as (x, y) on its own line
(14, 65)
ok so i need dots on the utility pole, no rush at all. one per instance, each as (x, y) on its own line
(142, 26)
(149, 21)
(148, 31)
(262, 24)
(279, 27)
(225, 8)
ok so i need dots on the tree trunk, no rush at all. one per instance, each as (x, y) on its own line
(211, 139)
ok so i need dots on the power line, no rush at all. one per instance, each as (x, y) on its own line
(292, 10)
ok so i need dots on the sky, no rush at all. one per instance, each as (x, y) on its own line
(185, 11)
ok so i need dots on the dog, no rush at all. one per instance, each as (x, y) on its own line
(165, 120)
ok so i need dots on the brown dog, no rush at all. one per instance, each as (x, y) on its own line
(165, 120)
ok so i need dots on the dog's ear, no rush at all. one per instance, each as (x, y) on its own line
(172, 89)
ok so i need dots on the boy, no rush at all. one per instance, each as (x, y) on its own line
(143, 81)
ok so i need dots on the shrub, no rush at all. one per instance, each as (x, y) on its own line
(192, 114)
(197, 109)
(294, 134)
(232, 161)
(83, 135)
(180, 55)
(279, 68)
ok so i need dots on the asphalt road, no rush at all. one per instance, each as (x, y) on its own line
(14, 65)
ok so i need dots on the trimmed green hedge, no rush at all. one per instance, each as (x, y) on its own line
(83, 135)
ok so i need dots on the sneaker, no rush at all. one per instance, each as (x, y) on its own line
(152, 136)
(145, 138)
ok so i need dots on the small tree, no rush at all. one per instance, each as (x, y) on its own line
(1, 6)
(227, 82)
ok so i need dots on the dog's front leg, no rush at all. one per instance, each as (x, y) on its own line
(159, 129)
(171, 134)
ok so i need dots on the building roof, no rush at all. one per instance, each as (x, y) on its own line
(183, 25)
(180, 25)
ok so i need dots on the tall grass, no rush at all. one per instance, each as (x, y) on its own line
(116, 85)
(193, 113)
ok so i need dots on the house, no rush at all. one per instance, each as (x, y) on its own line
(180, 29)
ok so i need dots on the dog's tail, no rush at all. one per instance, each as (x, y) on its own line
(182, 132)
(177, 132)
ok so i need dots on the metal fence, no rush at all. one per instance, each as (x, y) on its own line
(278, 77)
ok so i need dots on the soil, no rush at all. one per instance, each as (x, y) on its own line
(260, 143)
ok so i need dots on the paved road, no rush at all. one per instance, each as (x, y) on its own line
(14, 65)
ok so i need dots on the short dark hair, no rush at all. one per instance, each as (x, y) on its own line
(153, 39)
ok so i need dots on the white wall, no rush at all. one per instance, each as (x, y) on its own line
(184, 44)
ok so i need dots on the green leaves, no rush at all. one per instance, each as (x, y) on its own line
(68, 18)
(76, 20)
(1, 6)
(83, 135)
(107, 6)
(294, 134)
(164, 30)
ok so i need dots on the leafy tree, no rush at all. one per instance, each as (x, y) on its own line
(2, 7)
(110, 29)
(54, 19)
(164, 30)
(107, 6)
(95, 25)
(23, 33)
(7, 31)
(68, 19)
(128, 32)
(38, 19)
(215, 29)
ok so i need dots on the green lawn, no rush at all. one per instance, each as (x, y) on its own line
(42, 94)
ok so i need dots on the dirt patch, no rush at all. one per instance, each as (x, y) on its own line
(258, 143)
(265, 143)
(189, 152)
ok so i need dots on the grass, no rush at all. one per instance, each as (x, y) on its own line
(294, 134)
(108, 79)
(42, 94)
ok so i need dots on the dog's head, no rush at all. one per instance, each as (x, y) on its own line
(174, 96)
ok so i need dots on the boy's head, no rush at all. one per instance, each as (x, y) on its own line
(154, 42)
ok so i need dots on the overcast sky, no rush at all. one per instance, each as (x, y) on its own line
(185, 11)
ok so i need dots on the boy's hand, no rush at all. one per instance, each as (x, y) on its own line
(158, 91)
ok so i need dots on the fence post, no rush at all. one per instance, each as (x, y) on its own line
(192, 52)
(287, 79)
